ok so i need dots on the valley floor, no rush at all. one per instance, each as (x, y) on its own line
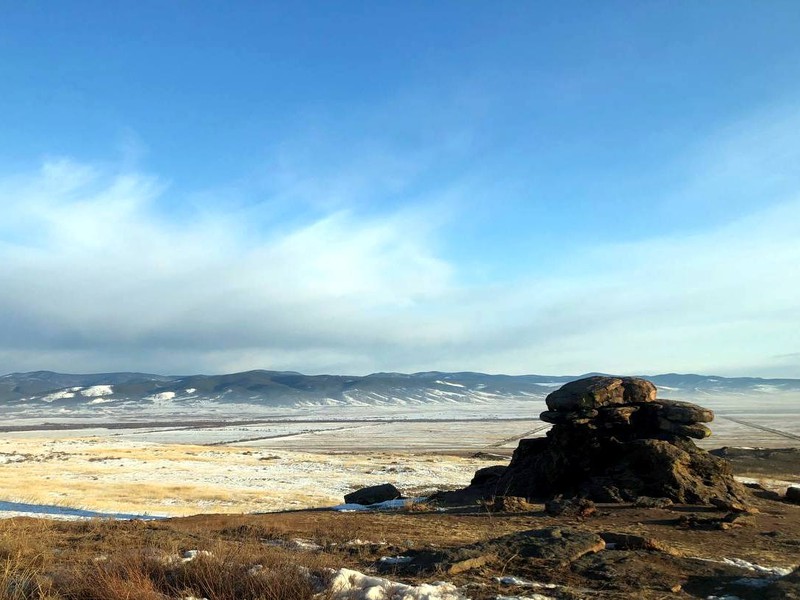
(270, 464)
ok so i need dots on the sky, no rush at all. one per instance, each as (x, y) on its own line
(351, 187)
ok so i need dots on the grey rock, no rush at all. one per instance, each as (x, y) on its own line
(587, 393)
(570, 507)
(696, 431)
(487, 475)
(561, 417)
(373, 494)
(638, 390)
(649, 502)
(684, 412)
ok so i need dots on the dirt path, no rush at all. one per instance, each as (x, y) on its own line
(785, 434)
(525, 434)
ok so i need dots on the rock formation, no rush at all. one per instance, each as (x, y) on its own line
(612, 440)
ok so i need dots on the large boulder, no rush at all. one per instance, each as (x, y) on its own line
(373, 494)
(594, 392)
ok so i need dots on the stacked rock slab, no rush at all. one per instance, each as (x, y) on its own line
(612, 440)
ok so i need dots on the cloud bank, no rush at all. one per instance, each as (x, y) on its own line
(98, 276)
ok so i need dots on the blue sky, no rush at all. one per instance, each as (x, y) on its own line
(350, 187)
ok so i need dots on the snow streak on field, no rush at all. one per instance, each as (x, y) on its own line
(120, 475)
(292, 458)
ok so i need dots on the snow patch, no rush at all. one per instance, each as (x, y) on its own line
(532, 597)
(770, 571)
(97, 390)
(388, 505)
(511, 580)
(190, 555)
(60, 395)
(161, 396)
(352, 585)
(396, 560)
(458, 385)
(100, 400)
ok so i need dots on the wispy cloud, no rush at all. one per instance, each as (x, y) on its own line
(99, 273)
(89, 265)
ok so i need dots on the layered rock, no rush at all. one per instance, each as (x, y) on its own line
(612, 440)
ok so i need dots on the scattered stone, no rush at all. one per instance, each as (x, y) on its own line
(571, 507)
(510, 504)
(557, 544)
(468, 564)
(729, 521)
(373, 494)
(627, 541)
(648, 502)
(554, 545)
(733, 506)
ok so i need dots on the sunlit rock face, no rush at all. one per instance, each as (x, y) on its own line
(613, 440)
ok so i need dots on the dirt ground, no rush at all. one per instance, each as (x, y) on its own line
(662, 554)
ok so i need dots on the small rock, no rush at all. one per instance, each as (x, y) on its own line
(732, 505)
(573, 507)
(510, 504)
(740, 519)
(793, 494)
(467, 565)
(648, 502)
(627, 541)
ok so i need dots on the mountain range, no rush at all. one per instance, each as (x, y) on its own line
(292, 389)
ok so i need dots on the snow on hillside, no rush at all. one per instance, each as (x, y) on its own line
(60, 395)
(97, 390)
(161, 396)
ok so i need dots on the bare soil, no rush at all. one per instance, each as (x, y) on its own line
(669, 559)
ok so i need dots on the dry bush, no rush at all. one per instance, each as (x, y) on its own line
(412, 507)
(18, 581)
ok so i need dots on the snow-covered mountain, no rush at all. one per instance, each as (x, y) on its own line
(64, 392)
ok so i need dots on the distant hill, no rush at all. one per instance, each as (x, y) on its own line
(42, 389)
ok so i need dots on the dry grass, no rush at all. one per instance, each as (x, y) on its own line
(108, 560)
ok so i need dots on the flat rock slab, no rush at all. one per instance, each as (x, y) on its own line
(594, 392)
(684, 412)
(559, 545)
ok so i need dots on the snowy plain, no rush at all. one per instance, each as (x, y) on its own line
(215, 457)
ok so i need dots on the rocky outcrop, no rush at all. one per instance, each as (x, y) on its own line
(613, 440)
(551, 547)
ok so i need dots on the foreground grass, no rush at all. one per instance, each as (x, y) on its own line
(106, 560)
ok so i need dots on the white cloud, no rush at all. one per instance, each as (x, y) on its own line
(90, 265)
(96, 276)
